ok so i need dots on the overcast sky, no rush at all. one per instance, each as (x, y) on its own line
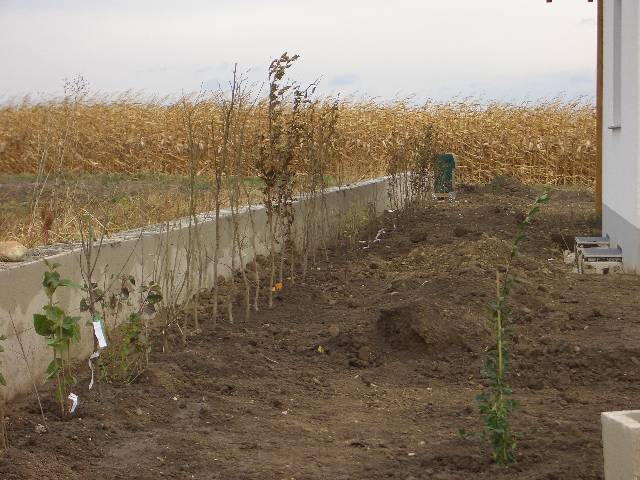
(505, 49)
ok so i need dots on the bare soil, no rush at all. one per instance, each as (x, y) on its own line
(401, 326)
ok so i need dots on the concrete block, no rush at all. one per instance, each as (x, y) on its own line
(621, 443)
(600, 260)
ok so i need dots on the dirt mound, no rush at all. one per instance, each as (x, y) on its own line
(417, 327)
(165, 375)
(356, 351)
(508, 184)
(404, 284)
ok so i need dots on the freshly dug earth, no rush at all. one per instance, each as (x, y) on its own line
(401, 326)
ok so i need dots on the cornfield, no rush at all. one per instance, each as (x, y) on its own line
(127, 162)
(551, 143)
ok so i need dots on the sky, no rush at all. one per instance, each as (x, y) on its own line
(512, 50)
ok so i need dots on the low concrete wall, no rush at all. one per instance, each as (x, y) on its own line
(158, 253)
(621, 444)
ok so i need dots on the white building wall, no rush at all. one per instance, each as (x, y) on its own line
(621, 136)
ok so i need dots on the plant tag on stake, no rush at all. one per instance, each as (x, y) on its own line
(93, 356)
(75, 400)
(98, 330)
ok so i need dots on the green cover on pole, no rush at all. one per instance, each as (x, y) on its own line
(443, 174)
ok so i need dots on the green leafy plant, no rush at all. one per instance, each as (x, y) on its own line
(129, 358)
(497, 403)
(353, 223)
(134, 349)
(60, 330)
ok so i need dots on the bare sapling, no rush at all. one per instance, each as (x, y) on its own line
(172, 283)
(105, 303)
(269, 161)
(496, 403)
(245, 110)
(231, 163)
(241, 242)
(52, 149)
(89, 255)
(221, 159)
(195, 147)
(4, 440)
(322, 154)
(399, 170)
(235, 185)
(252, 236)
(329, 157)
(424, 158)
(309, 188)
(217, 176)
(34, 384)
(295, 134)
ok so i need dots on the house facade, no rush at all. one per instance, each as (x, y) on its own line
(621, 129)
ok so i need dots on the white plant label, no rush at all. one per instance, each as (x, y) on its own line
(99, 333)
(74, 401)
(93, 356)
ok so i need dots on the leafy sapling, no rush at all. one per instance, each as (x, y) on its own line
(134, 351)
(496, 404)
(132, 355)
(60, 330)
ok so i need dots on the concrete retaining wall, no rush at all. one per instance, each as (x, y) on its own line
(158, 253)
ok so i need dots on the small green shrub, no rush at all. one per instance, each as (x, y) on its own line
(60, 330)
(129, 353)
(354, 222)
(134, 348)
(496, 404)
